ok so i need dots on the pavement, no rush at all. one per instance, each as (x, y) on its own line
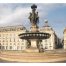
(22, 57)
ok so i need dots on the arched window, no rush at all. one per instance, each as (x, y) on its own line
(17, 47)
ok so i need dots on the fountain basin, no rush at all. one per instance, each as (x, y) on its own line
(35, 35)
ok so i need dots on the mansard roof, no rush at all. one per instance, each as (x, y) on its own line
(12, 28)
(64, 30)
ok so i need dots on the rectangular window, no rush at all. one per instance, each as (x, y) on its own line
(10, 43)
(14, 39)
(18, 43)
(3, 43)
(22, 43)
(3, 47)
(50, 46)
(0, 47)
(46, 47)
(6, 47)
(10, 40)
(21, 47)
(14, 44)
(10, 47)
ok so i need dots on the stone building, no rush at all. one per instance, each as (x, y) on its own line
(9, 39)
(52, 42)
(64, 41)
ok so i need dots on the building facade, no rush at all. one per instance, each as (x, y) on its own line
(9, 39)
(52, 42)
(64, 41)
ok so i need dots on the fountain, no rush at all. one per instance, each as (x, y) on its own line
(34, 36)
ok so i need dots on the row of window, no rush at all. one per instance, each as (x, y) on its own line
(11, 47)
(4, 35)
(11, 40)
(12, 44)
(11, 29)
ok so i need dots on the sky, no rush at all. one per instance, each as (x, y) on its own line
(17, 14)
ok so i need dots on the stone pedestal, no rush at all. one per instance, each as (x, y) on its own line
(34, 28)
(34, 43)
(33, 47)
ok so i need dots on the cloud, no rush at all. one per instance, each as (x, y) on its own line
(15, 14)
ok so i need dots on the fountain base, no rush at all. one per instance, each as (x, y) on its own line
(31, 49)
